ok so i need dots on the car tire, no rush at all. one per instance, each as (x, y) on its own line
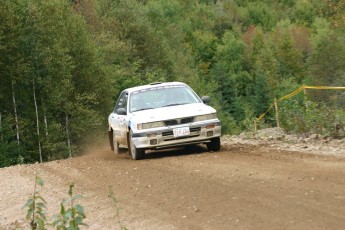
(116, 145)
(214, 145)
(137, 154)
(111, 139)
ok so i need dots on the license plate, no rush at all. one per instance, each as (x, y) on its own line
(179, 132)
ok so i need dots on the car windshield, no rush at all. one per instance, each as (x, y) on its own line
(157, 97)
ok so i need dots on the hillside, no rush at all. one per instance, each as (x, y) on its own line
(63, 64)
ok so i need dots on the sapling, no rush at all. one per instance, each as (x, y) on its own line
(71, 217)
(36, 207)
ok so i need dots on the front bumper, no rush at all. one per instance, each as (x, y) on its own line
(157, 138)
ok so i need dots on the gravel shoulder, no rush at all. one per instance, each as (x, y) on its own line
(252, 183)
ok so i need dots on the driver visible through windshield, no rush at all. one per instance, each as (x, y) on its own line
(164, 96)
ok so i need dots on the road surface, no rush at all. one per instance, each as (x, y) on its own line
(240, 187)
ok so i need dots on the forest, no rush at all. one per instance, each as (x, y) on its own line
(63, 64)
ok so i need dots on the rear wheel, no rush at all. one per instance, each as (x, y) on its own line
(111, 139)
(116, 145)
(214, 145)
(137, 154)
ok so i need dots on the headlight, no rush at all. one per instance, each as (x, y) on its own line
(205, 117)
(150, 125)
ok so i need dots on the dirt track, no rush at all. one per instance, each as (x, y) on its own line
(242, 187)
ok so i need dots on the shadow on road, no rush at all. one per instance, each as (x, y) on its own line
(182, 151)
(103, 151)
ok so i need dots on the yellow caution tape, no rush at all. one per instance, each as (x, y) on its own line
(262, 115)
(323, 87)
(297, 91)
(291, 94)
(282, 98)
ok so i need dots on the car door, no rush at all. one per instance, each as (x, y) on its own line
(119, 119)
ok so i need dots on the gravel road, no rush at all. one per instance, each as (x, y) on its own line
(241, 187)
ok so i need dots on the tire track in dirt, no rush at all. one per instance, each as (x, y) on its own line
(242, 187)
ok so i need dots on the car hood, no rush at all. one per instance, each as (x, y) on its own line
(171, 112)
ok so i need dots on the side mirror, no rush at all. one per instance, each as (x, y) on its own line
(205, 99)
(121, 111)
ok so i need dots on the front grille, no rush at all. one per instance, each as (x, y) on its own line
(187, 120)
(169, 133)
(170, 122)
(179, 121)
(197, 129)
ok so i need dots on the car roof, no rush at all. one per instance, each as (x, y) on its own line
(153, 85)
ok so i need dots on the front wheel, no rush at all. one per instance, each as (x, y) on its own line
(214, 145)
(137, 154)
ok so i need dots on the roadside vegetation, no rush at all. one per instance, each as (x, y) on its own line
(63, 63)
(70, 217)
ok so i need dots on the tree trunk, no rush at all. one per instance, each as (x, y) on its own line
(37, 121)
(45, 117)
(15, 113)
(45, 125)
(68, 137)
(1, 136)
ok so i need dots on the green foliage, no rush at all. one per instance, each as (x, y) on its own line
(304, 12)
(205, 47)
(82, 54)
(49, 43)
(311, 118)
(36, 206)
(290, 60)
(71, 217)
(330, 70)
(10, 151)
(259, 13)
(261, 98)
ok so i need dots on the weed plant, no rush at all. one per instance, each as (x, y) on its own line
(117, 209)
(70, 217)
(36, 206)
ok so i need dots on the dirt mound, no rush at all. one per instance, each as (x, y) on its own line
(277, 139)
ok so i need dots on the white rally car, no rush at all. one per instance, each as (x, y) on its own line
(162, 115)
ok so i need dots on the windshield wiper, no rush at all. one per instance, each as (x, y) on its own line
(142, 109)
(173, 104)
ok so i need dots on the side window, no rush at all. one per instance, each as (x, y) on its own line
(121, 102)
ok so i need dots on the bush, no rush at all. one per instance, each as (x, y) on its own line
(311, 118)
(71, 215)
